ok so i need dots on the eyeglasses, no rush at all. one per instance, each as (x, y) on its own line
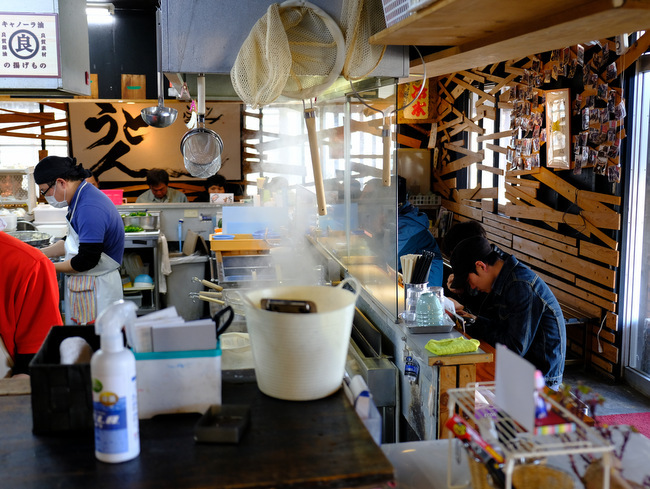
(43, 192)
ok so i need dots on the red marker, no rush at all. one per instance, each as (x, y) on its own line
(463, 431)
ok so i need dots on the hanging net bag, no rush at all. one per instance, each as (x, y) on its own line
(296, 50)
(361, 19)
(263, 63)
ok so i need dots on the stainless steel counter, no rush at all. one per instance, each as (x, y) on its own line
(422, 403)
(199, 217)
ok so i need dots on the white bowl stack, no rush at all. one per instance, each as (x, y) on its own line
(51, 220)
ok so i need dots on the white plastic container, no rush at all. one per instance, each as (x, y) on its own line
(236, 351)
(301, 357)
(45, 213)
(115, 395)
(9, 218)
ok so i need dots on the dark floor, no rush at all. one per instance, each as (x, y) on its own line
(620, 398)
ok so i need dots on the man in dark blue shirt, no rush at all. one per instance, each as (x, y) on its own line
(520, 310)
(413, 235)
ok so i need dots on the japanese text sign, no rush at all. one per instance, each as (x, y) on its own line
(29, 45)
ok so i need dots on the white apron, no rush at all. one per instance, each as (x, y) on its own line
(89, 292)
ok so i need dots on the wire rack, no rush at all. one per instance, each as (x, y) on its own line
(17, 188)
(476, 403)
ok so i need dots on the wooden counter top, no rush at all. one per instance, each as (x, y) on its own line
(288, 444)
(482, 355)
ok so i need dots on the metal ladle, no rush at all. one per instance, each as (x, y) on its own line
(159, 116)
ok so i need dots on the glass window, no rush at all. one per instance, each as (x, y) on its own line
(492, 157)
(359, 229)
(635, 274)
(22, 137)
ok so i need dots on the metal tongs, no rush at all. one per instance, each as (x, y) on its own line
(207, 283)
(207, 296)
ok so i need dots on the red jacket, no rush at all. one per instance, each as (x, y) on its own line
(30, 296)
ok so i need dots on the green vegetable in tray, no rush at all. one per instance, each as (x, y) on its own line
(132, 229)
(139, 213)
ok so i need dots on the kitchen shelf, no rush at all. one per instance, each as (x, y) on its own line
(480, 32)
(145, 244)
(17, 188)
(518, 445)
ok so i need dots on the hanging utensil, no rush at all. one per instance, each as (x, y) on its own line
(159, 116)
(360, 20)
(201, 147)
(310, 122)
(206, 298)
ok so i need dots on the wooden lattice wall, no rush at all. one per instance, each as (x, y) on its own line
(565, 224)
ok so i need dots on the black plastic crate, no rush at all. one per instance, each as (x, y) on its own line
(61, 394)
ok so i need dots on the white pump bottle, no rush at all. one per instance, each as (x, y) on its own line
(115, 395)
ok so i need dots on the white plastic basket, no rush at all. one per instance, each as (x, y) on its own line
(301, 357)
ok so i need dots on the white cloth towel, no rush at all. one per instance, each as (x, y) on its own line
(75, 350)
(165, 266)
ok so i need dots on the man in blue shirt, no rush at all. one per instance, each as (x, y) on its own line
(413, 235)
(94, 243)
(520, 311)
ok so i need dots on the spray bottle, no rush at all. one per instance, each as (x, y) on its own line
(115, 396)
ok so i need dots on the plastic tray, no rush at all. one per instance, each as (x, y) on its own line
(443, 328)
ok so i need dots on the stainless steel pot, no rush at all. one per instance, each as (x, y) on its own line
(32, 238)
(131, 220)
(148, 222)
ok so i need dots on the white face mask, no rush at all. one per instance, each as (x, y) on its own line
(55, 203)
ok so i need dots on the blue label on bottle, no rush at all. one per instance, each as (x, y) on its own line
(111, 435)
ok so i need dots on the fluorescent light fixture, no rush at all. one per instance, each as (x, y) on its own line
(100, 13)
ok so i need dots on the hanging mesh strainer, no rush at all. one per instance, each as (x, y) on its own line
(360, 19)
(199, 152)
(201, 147)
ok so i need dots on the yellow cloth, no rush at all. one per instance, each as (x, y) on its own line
(452, 345)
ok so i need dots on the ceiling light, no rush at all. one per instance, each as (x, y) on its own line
(100, 12)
